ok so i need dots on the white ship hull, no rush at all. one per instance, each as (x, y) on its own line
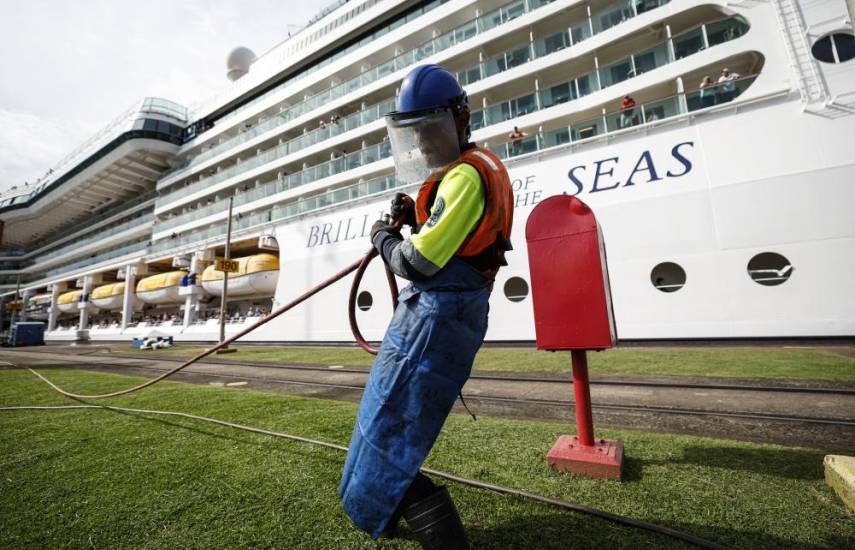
(710, 200)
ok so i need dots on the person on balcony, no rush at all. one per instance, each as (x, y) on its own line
(727, 90)
(627, 115)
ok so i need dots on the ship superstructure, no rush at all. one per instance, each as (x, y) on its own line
(711, 138)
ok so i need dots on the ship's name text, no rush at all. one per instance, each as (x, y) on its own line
(605, 174)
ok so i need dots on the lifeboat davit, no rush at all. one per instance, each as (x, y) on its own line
(161, 288)
(68, 301)
(257, 276)
(111, 296)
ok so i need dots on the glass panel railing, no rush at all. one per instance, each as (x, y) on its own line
(514, 108)
(310, 174)
(326, 131)
(717, 94)
(544, 46)
(101, 235)
(616, 72)
(490, 67)
(136, 246)
(613, 121)
(400, 62)
(649, 112)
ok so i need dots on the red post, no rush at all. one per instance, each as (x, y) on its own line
(582, 392)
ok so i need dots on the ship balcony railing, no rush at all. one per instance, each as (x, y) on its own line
(338, 55)
(282, 212)
(334, 128)
(603, 77)
(613, 73)
(138, 246)
(123, 206)
(347, 162)
(601, 21)
(115, 230)
(614, 121)
(609, 75)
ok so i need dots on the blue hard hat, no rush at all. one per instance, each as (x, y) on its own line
(430, 87)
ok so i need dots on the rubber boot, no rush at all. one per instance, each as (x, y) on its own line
(435, 522)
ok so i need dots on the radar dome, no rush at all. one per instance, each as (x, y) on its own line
(238, 62)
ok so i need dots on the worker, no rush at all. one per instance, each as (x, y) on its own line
(460, 230)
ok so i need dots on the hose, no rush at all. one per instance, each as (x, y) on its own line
(354, 290)
(602, 514)
(359, 266)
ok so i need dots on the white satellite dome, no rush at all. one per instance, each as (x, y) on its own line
(238, 62)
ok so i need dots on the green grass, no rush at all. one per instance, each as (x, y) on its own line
(105, 479)
(764, 363)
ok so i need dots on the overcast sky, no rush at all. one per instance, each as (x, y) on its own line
(70, 67)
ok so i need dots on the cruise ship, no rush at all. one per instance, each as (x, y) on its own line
(713, 139)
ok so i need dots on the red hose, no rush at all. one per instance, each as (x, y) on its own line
(354, 291)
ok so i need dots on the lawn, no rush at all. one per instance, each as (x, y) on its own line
(106, 479)
(761, 363)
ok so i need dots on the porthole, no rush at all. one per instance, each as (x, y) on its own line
(834, 48)
(668, 277)
(364, 300)
(769, 269)
(516, 289)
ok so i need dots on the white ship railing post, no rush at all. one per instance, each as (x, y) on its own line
(128, 298)
(53, 311)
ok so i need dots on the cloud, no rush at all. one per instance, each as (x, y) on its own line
(75, 66)
(31, 144)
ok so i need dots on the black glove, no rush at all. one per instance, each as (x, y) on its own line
(404, 205)
(382, 226)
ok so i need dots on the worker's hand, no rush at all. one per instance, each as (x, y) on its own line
(383, 226)
(404, 208)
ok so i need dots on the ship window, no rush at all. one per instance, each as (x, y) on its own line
(834, 48)
(516, 289)
(364, 300)
(769, 269)
(668, 277)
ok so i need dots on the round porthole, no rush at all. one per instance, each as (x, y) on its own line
(516, 289)
(837, 47)
(769, 269)
(364, 300)
(668, 277)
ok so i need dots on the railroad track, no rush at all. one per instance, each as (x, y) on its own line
(541, 379)
(501, 399)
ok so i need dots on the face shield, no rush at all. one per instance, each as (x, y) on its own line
(422, 142)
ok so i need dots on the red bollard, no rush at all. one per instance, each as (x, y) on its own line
(572, 311)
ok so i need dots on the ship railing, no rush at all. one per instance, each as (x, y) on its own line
(710, 34)
(599, 22)
(346, 162)
(105, 134)
(79, 243)
(633, 65)
(621, 119)
(668, 51)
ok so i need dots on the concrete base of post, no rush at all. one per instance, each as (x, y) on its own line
(601, 461)
(81, 337)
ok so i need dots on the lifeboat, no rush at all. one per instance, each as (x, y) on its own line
(161, 288)
(110, 297)
(67, 302)
(257, 276)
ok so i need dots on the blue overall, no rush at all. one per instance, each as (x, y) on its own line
(424, 360)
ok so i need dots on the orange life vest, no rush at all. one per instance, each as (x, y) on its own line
(486, 244)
